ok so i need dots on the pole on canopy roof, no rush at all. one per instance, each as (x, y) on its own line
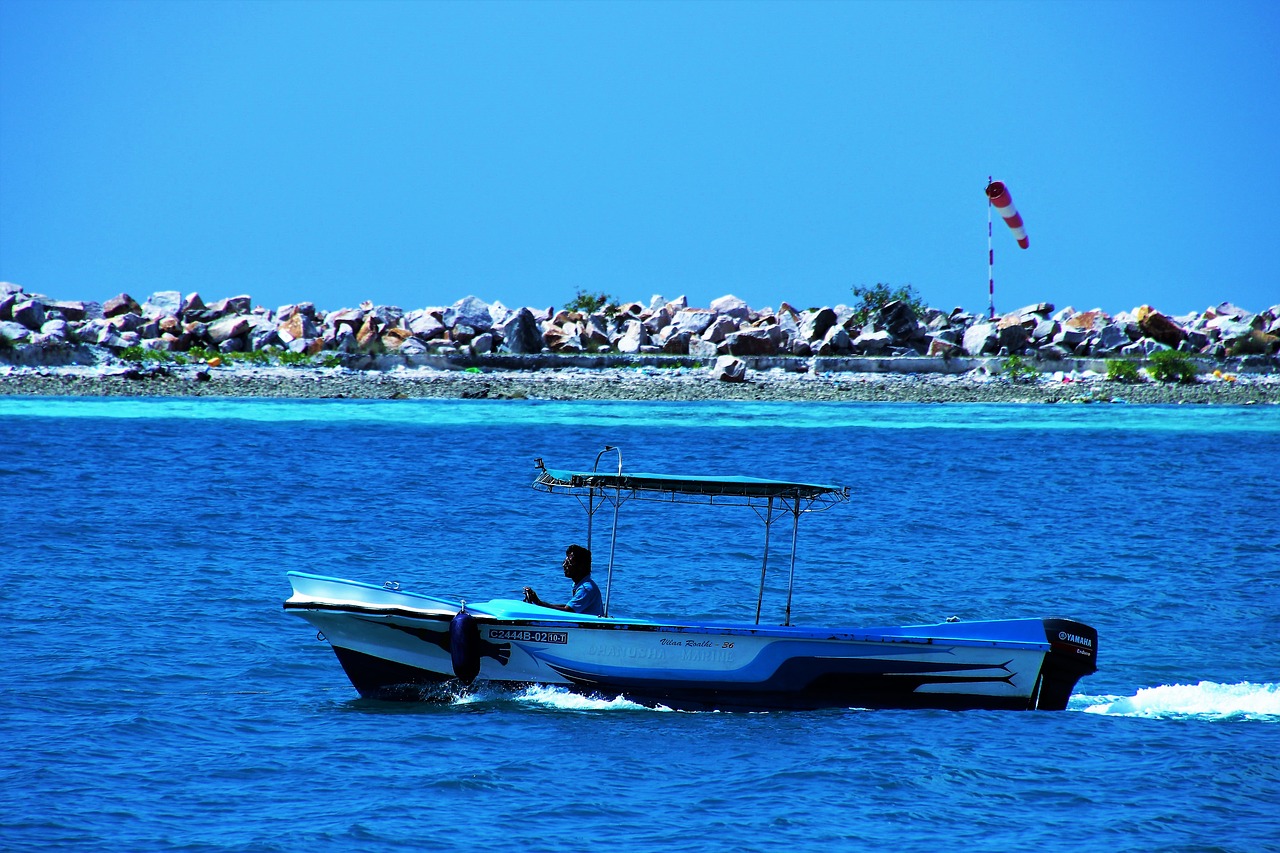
(795, 530)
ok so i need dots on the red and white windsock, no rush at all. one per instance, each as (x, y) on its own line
(999, 195)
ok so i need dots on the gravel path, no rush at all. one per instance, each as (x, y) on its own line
(679, 384)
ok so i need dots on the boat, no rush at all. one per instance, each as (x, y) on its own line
(398, 643)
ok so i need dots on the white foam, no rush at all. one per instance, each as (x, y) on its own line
(565, 700)
(1206, 700)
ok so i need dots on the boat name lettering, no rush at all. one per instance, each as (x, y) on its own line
(702, 644)
(521, 635)
(1075, 638)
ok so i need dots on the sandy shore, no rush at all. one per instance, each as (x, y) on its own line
(670, 384)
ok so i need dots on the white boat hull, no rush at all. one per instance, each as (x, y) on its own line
(398, 644)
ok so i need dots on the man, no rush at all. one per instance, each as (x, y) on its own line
(586, 598)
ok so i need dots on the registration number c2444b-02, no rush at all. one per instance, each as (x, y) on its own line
(521, 635)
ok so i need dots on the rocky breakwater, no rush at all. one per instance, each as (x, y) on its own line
(36, 330)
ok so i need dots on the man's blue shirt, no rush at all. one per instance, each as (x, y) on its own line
(586, 598)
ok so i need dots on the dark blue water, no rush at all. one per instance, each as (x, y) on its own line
(155, 696)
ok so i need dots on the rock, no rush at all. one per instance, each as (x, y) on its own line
(126, 322)
(677, 342)
(695, 321)
(55, 329)
(232, 305)
(7, 301)
(1256, 342)
(1086, 320)
(1226, 309)
(29, 314)
(980, 339)
(754, 341)
(74, 311)
(720, 328)
(837, 342)
(729, 369)
(8, 288)
(561, 339)
(499, 314)
(296, 327)
(1045, 330)
(633, 338)
(427, 326)
(899, 320)
(413, 346)
(944, 349)
(393, 337)
(700, 349)
(469, 311)
(1160, 328)
(122, 304)
(14, 333)
(262, 337)
(1070, 338)
(483, 344)
(369, 335)
(1014, 338)
(520, 334)
(1228, 328)
(192, 302)
(223, 330)
(163, 303)
(731, 306)
(390, 315)
(657, 322)
(1111, 338)
(871, 343)
(814, 325)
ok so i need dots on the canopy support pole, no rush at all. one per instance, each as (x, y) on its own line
(768, 520)
(795, 530)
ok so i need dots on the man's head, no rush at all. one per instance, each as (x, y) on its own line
(577, 562)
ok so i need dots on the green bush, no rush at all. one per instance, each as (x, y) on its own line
(141, 354)
(289, 358)
(592, 303)
(1019, 369)
(1172, 366)
(872, 299)
(1120, 370)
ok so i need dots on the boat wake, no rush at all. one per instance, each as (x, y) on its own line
(548, 697)
(1205, 701)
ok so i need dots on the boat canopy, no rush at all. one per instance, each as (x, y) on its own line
(739, 491)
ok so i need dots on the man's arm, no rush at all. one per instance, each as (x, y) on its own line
(532, 598)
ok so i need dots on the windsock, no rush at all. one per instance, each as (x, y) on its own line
(999, 195)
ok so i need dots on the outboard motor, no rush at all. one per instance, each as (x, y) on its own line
(464, 645)
(1073, 654)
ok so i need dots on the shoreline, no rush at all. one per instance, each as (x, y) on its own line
(679, 384)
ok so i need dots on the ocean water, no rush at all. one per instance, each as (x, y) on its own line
(154, 695)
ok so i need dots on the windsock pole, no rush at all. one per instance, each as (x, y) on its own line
(998, 197)
(991, 264)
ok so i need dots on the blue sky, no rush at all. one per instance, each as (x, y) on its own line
(415, 153)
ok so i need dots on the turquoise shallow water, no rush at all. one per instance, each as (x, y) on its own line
(155, 696)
